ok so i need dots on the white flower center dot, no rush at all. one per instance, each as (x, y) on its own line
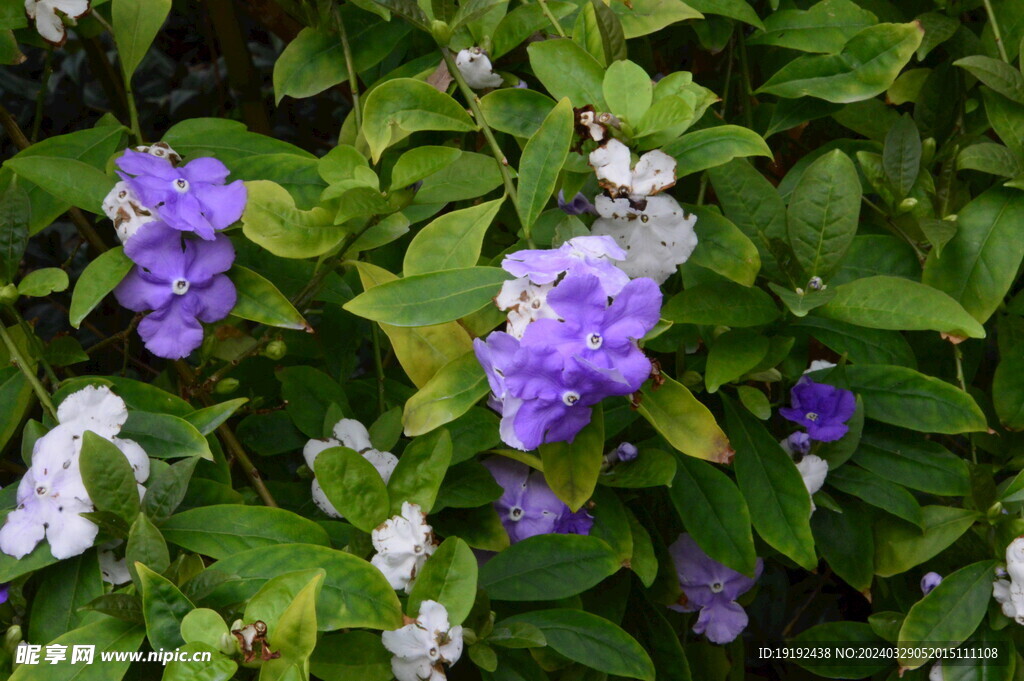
(716, 588)
(417, 549)
(594, 341)
(41, 491)
(570, 397)
(180, 287)
(181, 185)
(812, 416)
(515, 514)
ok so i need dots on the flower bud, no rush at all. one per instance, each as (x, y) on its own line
(441, 31)
(691, 379)
(275, 350)
(952, 217)
(8, 294)
(927, 150)
(906, 205)
(226, 386)
(228, 644)
(815, 284)
(12, 638)
(469, 636)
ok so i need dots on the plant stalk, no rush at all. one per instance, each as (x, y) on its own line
(18, 360)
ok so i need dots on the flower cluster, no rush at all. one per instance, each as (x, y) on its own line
(421, 648)
(528, 507)
(1009, 593)
(352, 434)
(180, 281)
(651, 227)
(567, 347)
(711, 588)
(52, 494)
(403, 544)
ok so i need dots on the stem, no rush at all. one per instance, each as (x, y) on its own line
(133, 112)
(728, 82)
(748, 114)
(18, 360)
(894, 229)
(353, 79)
(237, 451)
(959, 357)
(703, 189)
(551, 17)
(44, 86)
(995, 30)
(37, 346)
(474, 105)
(379, 366)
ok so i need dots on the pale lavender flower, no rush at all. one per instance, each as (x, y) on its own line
(930, 581)
(626, 451)
(592, 255)
(822, 409)
(528, 507)
(578, 206)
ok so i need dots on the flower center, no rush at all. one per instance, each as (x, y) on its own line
(515, 514)
(570, 397)
(418, 548)
(41, 491)
(594, 341)
(181, 185)
(433, 653)
(811, 416)
(717, 587)
(180, 287)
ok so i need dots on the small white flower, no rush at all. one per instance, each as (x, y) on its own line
(596, 130)
(1015, 560)
(525, 302)
(48, 21)
(654, 172)
(125, 210)
(93, 408)
(421, 648)
(352, 434)
(475, 67)
(819, 364)
(1009, 593)
(114, 570)
(160, 150)
(813, 469)
(935, 673)
(403, 544)
(655, 233)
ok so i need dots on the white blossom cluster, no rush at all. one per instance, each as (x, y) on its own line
(122, 205)
(421, 648)
(1009, 591)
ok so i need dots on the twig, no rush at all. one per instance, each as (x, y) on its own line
(551, 17)
(44, 86)
(353, 78)
(995, 30)
(18, 360)
(959, 357)
(379, 367)
(237, 451)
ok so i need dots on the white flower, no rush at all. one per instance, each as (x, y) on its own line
(935, 673)
(813, 469)
(475, 67)
(403, 544)
(352, 434)
(125, 210)
(51, 495)
(114, 570)
(525, 302)
(160, 150)
(818, 365)
(1015, 560)
(654, 172)
(48, 22)
(1009, 593)
(655, 233)
(421, 648)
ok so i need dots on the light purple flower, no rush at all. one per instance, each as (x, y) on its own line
(626, 451)
(496, 355)
(711, 588)
(182, 281)
(603, 335)
(5, 592)
(581, 255)
(578, 206)
(192, 198)
(797, 443)
(930, 581)
(528, 507)
(822, 409)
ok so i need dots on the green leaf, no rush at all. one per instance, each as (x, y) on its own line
(950, 612)
(541, 162)
(353, 486)
(420, 162)
(451, 241)
(989, 157)
(449, 394)
(354, 594)
(721, 302)
(860, 344)
(109, 635)
(739, 10)
(164, 436)
(469, 176)
(567, 70)
(136, 23)
(272, 221)
(723, 248)
(898, 304)
(1005, 117)
(295, 636)
(448, 577)
(410, 106)
(63, 589)
(901, 156)
(218, 668)
(208, 419)
(467, 485)
(643, 17)
(147, 546)
(628, 90)
(903, 397)
(548, 567)
(164, 608)
(913, 461)
(751, 203)
(41, 283)
(877, 491)
(108, 477)
(712, 147)
(572, 469)
(260, 301)
(653, 468)
(857, 634)
(824, 27)
(997, 74)
(780, 507)
(274, 597)
(15, 211)
(867, 65)
(846, 542)
(309, 393)
(224, 530)
(226, 140)
(901, 546)
(590, 640)
(516, 111)
(351, 656)
(420, 471)
(520, 23)
(823, 212)
(76, 182)
(97, 280)
(715, 513)
(432, 298)
(685, 422)
(17, 396)
(166, 489)
(980, 263)
(732, 355)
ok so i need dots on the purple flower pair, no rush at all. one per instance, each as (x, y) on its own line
(528, 507)
(822, 409)
(711, 588)
(546, 383)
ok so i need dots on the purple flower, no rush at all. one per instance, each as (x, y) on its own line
(626, 451)
(192, 198)
(930, 581)
(581, 255)
(603, 335)
(5, 592)
(797, 443)
(182, 282)
(711, 588)
(822, 409)
(496, 355)
(528, 507)
(578, 206)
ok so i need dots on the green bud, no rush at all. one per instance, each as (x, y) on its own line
(8, 294)
(275, 350)
(12, 638)
(952, 217)
(908, 204)
(469, 636)
(226, 386)
(691, 379)
(441, 31)
(927, 150)
(995, 512)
